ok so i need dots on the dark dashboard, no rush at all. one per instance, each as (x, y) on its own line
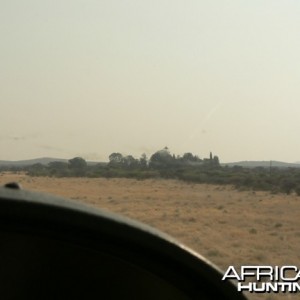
(52, 248)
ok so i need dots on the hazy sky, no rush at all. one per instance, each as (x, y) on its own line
(88, 78)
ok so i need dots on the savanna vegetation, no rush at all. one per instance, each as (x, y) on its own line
(163, 164)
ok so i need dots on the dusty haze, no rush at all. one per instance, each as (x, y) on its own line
(88, 78)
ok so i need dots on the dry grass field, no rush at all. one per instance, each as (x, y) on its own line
(227, 226)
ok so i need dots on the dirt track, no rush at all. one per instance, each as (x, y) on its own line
(227, 226)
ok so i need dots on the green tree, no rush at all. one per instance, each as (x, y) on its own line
(216, 161)
(78, 166)
(161, 159)
(37, 169)
(189, 157)
(115, 159)
(130, 162)
(58, 165)
(58, 168)
(143, 161)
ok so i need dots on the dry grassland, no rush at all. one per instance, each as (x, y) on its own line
(226, 226)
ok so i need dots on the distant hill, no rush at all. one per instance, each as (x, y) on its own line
(246, 164)
(265, 164)
(29, 162)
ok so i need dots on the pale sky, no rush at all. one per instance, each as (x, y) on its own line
(91, 77)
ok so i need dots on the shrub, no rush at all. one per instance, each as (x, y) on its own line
(297, 190)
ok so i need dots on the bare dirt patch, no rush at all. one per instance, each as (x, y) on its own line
(226, 226)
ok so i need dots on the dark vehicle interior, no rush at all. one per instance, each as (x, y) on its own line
(52, 248)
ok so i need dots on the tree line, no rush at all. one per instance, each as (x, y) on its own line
(163, 164)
